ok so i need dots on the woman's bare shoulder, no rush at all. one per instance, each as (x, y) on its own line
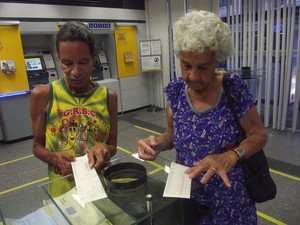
(113, 94)
(41, 92)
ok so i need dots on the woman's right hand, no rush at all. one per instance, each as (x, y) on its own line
(148, 148)
(62, 163)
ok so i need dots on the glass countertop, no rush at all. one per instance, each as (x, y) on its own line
(121, 207)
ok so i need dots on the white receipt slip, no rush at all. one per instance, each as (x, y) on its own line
(178, 183)
(88, 184)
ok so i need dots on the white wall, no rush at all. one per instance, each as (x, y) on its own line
(114, 85)
(135, 92)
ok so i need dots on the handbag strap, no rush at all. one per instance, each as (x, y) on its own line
(231, 103)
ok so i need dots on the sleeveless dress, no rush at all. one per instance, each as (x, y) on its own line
(74, 122)
(197, 134)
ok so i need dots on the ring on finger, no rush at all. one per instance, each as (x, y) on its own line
(214, 169)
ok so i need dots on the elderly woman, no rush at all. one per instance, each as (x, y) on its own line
(201, 126)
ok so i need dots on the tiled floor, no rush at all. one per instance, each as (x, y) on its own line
(19, 169)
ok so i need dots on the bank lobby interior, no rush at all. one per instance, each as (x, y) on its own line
(21, 172)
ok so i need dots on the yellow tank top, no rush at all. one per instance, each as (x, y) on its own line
(74, 122)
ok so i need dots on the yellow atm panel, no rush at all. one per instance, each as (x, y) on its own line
(13, 76)
(127, 52)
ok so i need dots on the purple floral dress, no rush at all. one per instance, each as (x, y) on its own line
(197, 134)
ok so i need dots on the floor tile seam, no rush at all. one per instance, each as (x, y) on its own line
(146, 125)
(16, 160)
(284, 167)
(291, 177)
(24, 185)
(269, 218)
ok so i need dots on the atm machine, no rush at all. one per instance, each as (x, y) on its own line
(97, 73)
(50, 66)
(40, 68)
(36, 71)
(101, 68)
(104, 64)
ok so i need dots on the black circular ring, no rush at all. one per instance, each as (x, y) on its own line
(125, 170)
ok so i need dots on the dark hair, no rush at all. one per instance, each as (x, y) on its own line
(76, 31)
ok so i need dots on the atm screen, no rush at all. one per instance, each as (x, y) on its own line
(34, 64)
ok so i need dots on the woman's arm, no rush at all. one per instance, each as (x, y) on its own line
(113, 114)
(150, 147)
(256, 135)
(39, 101)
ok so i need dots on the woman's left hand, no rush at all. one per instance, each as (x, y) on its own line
(214, 164)
(98, 155)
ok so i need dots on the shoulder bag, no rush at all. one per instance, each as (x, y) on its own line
(259, 183)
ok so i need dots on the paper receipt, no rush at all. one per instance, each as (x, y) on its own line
(88, 184)
(178, 183)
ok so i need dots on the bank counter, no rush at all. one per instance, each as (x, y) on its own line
(144, 204)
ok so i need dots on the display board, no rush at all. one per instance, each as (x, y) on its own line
(150, 51)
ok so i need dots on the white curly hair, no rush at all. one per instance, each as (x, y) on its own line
(197, 30)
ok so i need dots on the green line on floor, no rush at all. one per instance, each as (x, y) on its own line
(155, 164)
(151, 131)
(124, 150)
(269, 218)
(155, 171)
(285, 175)
(15, 160)
(23, 185)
